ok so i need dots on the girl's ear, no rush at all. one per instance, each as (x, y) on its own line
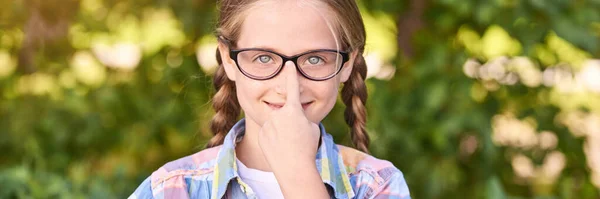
(228, 63)
(347, 68)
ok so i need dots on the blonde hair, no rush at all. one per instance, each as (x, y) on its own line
(348, 24)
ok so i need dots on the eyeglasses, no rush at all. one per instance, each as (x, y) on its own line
(316, 65)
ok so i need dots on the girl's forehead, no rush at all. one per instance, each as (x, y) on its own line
(288, 27)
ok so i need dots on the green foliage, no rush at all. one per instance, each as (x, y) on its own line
(84, 127)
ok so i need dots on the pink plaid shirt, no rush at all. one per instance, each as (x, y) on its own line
(212, 173)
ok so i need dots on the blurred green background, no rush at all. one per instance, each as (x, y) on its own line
(470, 99)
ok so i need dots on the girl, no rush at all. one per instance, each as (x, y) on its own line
(281, 62)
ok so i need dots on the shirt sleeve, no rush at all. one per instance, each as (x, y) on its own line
(394, 188)
(144, 191)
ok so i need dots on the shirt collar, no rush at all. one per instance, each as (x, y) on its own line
(328, 160)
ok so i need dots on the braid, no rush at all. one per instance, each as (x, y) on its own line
(227, 108)
(354, 95)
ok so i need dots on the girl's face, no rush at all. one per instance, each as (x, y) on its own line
(289, 28)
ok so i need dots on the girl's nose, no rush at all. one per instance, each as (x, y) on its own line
(289, 68)
(288, 71)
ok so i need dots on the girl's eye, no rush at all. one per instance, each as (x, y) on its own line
(264, 59)
(314, 60)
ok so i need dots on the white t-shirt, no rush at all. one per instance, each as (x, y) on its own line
(264, 184)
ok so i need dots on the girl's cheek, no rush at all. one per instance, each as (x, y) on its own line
(249, 85)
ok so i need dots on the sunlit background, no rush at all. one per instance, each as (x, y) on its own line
(470, 99)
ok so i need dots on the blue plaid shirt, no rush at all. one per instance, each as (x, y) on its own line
(212, 173)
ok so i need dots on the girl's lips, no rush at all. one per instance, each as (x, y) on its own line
(274, 106)
(279, 105)
(305, 105)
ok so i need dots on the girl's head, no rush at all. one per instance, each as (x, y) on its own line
(331, 30)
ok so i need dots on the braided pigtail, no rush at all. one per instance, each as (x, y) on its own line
(354, 95)
(227, 109)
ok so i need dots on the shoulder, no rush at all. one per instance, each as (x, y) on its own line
(196, 164)
(173, 177)
(372, 177)
(356, 160)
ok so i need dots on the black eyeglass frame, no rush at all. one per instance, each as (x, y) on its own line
(233, 54)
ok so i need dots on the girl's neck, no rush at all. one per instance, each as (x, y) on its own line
(248, 151)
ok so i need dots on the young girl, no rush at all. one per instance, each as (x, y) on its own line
(282, 62)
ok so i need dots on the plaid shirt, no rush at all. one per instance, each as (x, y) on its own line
(212, 173)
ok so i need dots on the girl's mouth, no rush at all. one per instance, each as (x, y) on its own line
(276, 106)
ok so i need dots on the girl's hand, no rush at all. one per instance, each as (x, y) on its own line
(288, 138)
(289, 142)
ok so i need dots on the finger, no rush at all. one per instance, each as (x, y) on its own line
(266, 128)
(316, 130)
(293, 90)
(315, 127)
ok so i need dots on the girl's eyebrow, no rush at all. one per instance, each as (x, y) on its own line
(263, 47)
(277, 51)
